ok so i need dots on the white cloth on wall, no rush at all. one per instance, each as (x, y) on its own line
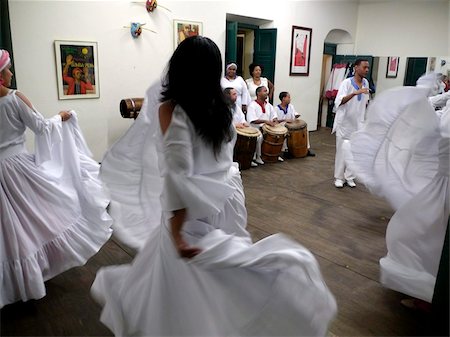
(337, 75)
(233, 287)
(402, 154)
(52, 206)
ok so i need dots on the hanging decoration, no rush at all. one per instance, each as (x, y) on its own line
(136, 29)
(151, 5)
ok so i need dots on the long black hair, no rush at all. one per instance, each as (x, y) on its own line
(193, 82)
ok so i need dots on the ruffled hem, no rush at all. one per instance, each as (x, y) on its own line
(24, 279)
(233, 288)
(408, 281)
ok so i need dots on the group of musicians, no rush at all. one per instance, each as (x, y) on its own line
(278, 122)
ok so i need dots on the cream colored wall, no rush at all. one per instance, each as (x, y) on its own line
(128, 66)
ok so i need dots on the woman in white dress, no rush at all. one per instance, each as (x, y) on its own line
(232, 80)
(257, 81)
(402, 154)
(52, 208)
(224, 285)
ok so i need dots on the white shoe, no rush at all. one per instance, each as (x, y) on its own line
(280, 159)
(351, 183)
(258, 161)
(253, 164)
(339, 183)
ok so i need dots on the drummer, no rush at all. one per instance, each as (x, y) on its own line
(239, 121)
(286, 112)
(261, 112)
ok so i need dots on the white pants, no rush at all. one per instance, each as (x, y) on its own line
(259, 141)
(341, 171)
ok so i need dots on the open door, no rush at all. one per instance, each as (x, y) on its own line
(231, 42)
(415, 67)
(265, 48)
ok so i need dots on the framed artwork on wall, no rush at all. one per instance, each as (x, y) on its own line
(183, 29)
(77, 69)
(392, 66)
(300, 51)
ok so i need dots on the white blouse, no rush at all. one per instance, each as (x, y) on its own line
(243, 97)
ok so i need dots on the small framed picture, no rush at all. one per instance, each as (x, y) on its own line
(300, 51)
(183, 29)
(77, 69)
(392, 66)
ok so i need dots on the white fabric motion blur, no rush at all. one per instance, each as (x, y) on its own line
(233, 287)
(402, 154)
(53, 215)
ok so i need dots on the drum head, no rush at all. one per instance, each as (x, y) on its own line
(275, 130)
(298, 124)
(248, 131)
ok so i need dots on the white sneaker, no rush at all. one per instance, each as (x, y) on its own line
(259, 161)
(339, 183)
(351, 183)
(280, 159)
(253, 164)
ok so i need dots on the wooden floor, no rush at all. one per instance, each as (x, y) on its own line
(344, 228)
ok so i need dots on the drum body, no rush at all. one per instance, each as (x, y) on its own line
(245, 146)
(130, 107)
(273, 142)
(297, 138)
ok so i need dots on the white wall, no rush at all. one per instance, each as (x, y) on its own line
(128, 66)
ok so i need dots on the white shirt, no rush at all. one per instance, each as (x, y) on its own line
(254, 112)
(238, 115)
(252, 86)
(351, 115)
(243, 97)
(291, 113)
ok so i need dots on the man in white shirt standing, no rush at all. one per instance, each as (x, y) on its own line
(261, 112)
(350, 106)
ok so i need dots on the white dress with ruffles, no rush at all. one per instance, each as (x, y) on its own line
(402, 154)
(233, 287)
(52, 206)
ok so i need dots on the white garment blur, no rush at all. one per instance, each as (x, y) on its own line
(233, 287)
(243, 96)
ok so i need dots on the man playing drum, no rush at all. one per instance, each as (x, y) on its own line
(261, 112)
(239, 121)
(286, 113)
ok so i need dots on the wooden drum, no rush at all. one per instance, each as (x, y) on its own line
(245, 146)
(273, 142)
(297, 138)
(130, 107)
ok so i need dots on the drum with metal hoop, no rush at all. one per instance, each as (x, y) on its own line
(130, 107)
(245, 146)
(273, 142)
(297, 141)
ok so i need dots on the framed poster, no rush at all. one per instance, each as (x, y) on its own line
(183, 29)
(300, 51)
(392, 66)
(77, 69)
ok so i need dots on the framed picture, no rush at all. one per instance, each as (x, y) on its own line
(183, 29)
(300, 51)
(392, 66)
(77, 69)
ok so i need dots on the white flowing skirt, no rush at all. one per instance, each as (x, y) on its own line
(232, 288)
(50, 219)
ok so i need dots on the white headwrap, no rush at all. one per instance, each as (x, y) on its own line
(4, 59)
(231, 65)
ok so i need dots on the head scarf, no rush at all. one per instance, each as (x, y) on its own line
(231, 65)
(4, 59)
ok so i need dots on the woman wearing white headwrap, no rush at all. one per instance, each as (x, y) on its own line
(231, 80)
(52, 208)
